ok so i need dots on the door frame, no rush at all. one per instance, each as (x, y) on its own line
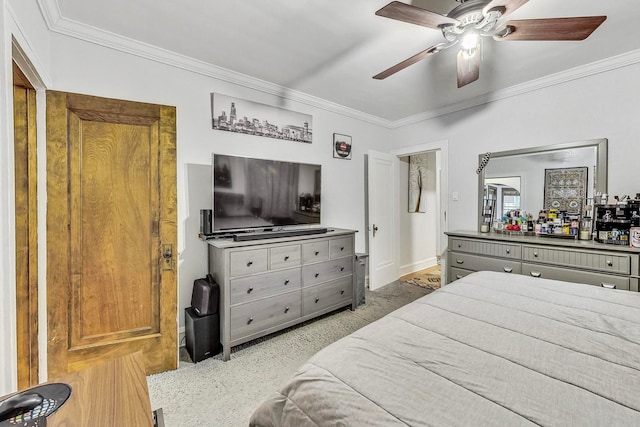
(27, 61)
(26, 224)
(442, 191)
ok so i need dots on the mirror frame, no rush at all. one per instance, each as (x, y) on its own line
(601, 171)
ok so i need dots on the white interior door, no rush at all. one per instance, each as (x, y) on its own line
(383, 267)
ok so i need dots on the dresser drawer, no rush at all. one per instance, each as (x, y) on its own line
(340, 247)
(253, 317)
(320, 297)
(502, 250)
(576, 276)
(284, 256)
(247, 262)
(607, 262)
(315, 251)
(458, 273)
(328, 270)
(251, 288)
(479, 263)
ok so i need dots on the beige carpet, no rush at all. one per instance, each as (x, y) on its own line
(216, 393)
(429, 278)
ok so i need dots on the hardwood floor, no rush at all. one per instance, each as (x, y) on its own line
(430, 270)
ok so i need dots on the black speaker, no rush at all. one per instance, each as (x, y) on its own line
(202, 334)
(205, 296)
(206, 222)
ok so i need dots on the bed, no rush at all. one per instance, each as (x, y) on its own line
(491, 349)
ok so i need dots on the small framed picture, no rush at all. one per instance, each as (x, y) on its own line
(341, 146)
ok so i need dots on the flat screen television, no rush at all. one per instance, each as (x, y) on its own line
(250, 193)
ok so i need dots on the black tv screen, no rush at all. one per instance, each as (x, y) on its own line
(251, 193)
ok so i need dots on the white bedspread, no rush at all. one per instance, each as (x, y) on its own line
(491, 349)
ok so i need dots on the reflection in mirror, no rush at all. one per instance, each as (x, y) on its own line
(515, 179)
(505, 193)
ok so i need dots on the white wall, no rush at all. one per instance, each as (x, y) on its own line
(418, 230)
(605, 105)
(81, 67)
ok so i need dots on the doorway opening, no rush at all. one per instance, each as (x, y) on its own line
(401, 243)
(418, 212)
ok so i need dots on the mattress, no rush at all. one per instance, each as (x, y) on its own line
(491, 349)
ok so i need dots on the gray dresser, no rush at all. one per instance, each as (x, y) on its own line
(609, 266)
(268, 285)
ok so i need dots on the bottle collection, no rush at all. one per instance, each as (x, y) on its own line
(548, 222)
(614, 220)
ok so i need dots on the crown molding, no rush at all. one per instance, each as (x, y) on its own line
(61, 25)
(603, 66)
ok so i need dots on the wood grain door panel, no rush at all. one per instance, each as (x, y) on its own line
(111, 190)
(113, 231)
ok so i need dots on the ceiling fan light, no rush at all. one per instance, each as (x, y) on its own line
(469, 41)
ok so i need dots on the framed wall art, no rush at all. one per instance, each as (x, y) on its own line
(341, 146)
(241, 116)
(417, 181)
(565, 188)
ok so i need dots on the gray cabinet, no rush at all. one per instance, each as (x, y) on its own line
(592, 263)
(268, 285)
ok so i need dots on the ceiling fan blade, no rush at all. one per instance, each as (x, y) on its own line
(510, 6)
(468, 66)
(552, 29)
(410, 61)
(415, 15)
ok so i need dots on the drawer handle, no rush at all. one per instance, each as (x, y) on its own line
(286, 258)
(459, 245)
(250, 320)
(608, 285)
(341, 248)
(535, 274)
(316, 253)
(286, 282)
(249, 290)
(341, 268)
(250, 263)
(317, 274)
(341, 291)
(317, 299)
(610, 263)
(535, 254)
(508, 251)
(458, 276)
(460, 261)
(507, 269)
(286, 309)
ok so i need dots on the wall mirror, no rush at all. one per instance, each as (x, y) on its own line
(520, 179)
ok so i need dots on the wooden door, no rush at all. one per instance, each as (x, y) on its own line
(25, 164)
(111, 232)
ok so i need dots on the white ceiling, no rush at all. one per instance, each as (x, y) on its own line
(330, 49)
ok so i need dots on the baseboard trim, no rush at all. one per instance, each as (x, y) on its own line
(417, 266)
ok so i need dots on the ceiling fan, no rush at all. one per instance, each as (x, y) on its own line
(473, 19)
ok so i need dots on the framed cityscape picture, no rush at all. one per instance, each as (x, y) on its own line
(241, 116)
